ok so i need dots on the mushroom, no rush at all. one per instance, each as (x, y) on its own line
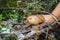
(34, 20)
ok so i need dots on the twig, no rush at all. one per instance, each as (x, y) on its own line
(38, 11)
(14, 8)
(11, 8)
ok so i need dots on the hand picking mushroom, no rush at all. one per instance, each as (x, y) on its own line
(36, 19)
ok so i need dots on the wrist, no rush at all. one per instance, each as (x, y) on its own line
(56, 11)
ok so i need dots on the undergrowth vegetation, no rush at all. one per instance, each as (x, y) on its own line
(21, 9)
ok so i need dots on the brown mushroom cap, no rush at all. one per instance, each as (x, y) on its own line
(34, 19)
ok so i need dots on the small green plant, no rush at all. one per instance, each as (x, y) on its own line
(1, 17)
(13, 15)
